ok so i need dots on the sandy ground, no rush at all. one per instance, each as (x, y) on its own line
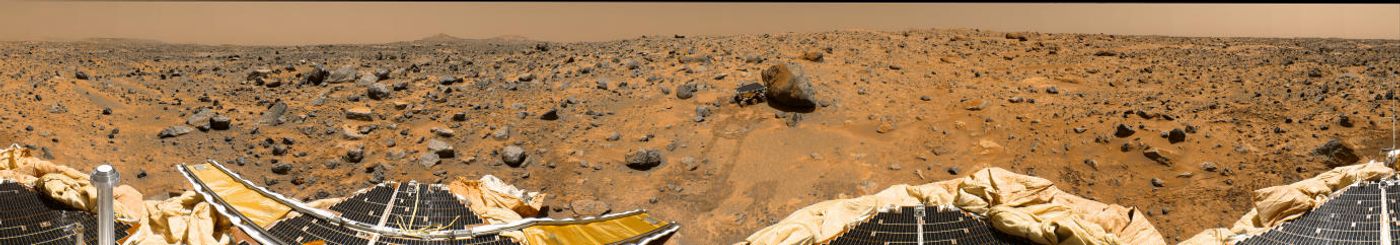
(893, 107)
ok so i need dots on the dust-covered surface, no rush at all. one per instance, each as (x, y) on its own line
(649, 123)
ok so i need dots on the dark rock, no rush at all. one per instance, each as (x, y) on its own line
(1176, 136)
(551, 115)
(174, 131)
(459, 117)
(685, 91)
(1336, 153)
(378, 91)
(786, 85)
(1345, 121)
(1158, 183)
(220, 122)
(1105, 53)
(80, 75)
(954, 170)
(1017, 36)
(513, 155)
(316, 75)
(644, 159)
(449, 80)
(282, 169)
(278, 150)
(1122, 130)
(355, 154)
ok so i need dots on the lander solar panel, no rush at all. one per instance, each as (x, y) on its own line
(27, 219)
(408, 206)
(1352, 217)
(924, 225)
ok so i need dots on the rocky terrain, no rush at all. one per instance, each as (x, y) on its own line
(1182, 128)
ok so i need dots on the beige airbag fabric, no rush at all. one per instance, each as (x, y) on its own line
(1020, 205)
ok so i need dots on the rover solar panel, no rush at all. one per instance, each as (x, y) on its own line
(1352, 217)
(306, 229)
(924, 225)
(25, 218)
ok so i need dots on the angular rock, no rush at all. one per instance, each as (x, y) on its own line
(443, 132)
(1157, 155)
(344, 74)
(220, 122)
(787, 86)
(174, 131)
(200, 119)
(316, 75)
(428, 160)
(644, 159)
(1122, 130)
(441, 148)
(360, 113)
(273, 115)
(551, 115)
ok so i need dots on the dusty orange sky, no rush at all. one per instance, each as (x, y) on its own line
(289, 23)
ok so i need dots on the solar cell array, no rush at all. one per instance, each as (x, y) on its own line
(1352, 217)
(925, 225)
(306, 229)
(427, 206)
(410, 206)
(25, 218)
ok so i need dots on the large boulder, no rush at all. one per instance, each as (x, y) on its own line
(1336, 154)
(317, 75)
(344, 74)
(644, 159)
(378, 91)
(787, 86)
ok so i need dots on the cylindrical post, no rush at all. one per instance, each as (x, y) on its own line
(104, 177)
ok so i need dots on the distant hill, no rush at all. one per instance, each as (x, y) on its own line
(121, 40)
(440, 37)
